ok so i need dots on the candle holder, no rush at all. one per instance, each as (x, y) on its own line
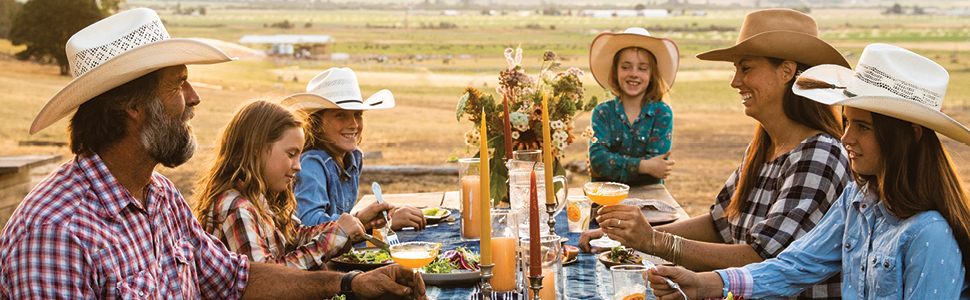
(551, 210)
(486, 278)
(535, 284)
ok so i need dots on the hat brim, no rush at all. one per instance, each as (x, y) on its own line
(783, 44)
(896, 107)
(310, 102)
(123, 68)
(606, 45)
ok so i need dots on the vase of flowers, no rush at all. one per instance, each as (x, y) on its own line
(515, 119)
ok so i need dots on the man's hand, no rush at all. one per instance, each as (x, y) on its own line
(371, 215)
(389, 282)
(408, 217)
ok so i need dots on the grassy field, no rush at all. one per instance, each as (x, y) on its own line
(710, 132)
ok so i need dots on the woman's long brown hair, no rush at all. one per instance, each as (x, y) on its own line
(802, 110)
(918, 175)
(238, 164)
(656, 89)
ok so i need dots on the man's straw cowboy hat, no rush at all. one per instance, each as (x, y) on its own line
(116, 50)
(779, 33)
(337, 88)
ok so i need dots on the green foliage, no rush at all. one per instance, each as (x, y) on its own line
(8, 11)
(44, 26)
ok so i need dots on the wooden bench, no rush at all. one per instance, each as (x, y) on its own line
(18, 175)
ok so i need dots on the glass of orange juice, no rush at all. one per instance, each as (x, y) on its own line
(605, 194)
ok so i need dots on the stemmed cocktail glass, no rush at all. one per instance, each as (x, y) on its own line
(414, 255)
(606, 193)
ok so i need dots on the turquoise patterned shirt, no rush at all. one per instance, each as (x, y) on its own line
(617, 147)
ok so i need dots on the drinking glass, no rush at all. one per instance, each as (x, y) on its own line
(606, 193)
(577, 213)
(505, 237)
(628, 282)
(468, 175)
(550, 259)
(519, 191)
(414, 255)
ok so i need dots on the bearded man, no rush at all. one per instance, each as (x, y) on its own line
(104, 225)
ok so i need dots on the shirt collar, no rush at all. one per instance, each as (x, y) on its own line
(878, 208)
(114, 197)
(646, 110)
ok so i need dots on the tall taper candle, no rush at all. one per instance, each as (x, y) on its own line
(507, 127)
(486, 199)
(535, 267)
(547, 151)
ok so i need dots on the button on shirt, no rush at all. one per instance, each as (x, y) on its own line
(80, 235)
(880, 256)
(617, 146)
(323, 190)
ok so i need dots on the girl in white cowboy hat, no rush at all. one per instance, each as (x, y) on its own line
(327, 186)
(631, 133)
(792, 172)
(898, 230)
(246, 196)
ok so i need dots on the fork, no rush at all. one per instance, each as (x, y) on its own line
(391, 236)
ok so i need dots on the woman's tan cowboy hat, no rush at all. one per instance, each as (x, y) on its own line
(779, 33)
(116, 50)
(606, 45)
(888, 80)
(337, 88)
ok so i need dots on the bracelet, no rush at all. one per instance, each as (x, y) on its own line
(346, 284)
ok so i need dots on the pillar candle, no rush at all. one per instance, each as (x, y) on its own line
(507, 127)
(547, 151)
(535, 267)
(486, 199)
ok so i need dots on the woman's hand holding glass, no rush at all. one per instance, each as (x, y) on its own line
(627, 225)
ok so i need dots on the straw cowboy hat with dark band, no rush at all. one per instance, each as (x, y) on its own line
(606, 45)
(116, 50)
(888, 80)
(779, 33)
(337, 88)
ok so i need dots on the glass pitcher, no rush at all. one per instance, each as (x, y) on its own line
(519, 180)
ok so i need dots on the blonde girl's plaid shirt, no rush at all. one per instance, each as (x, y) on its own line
(790, 197)
(246, 232)
(80, 235)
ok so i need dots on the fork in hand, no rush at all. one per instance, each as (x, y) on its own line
(391, 236)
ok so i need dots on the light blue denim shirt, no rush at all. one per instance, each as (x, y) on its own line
(323, 190)
(880, 256)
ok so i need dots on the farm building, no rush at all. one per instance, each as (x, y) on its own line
(610, 13)
(298, 45)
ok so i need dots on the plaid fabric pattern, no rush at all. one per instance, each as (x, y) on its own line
(80, 235)
(245, 231)
(790, 196)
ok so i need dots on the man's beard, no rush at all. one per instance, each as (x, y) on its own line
(168, 140)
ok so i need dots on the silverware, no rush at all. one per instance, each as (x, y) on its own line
(391, 236)
(442, 199)
(377, 242)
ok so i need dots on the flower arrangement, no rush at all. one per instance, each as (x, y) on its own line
(523, 94)
(515, 120)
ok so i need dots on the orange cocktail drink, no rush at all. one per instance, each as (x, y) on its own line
(414, 255)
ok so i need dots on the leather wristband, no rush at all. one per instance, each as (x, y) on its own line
(345, 284)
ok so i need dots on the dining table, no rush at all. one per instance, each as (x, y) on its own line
(586, 277)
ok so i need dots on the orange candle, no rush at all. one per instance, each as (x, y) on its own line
(471, 216)
(486, 198)
(547, 151)
(503, 254)
(548, 291)
(534, 243)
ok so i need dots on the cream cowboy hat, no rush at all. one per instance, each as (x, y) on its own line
(779, 33)
(116, 50)
(337, 88)
(888, 80)
(606, 45)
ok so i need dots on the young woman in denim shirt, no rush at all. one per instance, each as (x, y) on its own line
(327, 186)
(631, 133)
(900, 231)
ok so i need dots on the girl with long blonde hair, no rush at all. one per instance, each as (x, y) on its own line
(245, 199)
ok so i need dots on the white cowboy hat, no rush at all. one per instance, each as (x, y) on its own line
(779, 33)
(888, 80)
(337, 88)
(116, 50)
(606, 45)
